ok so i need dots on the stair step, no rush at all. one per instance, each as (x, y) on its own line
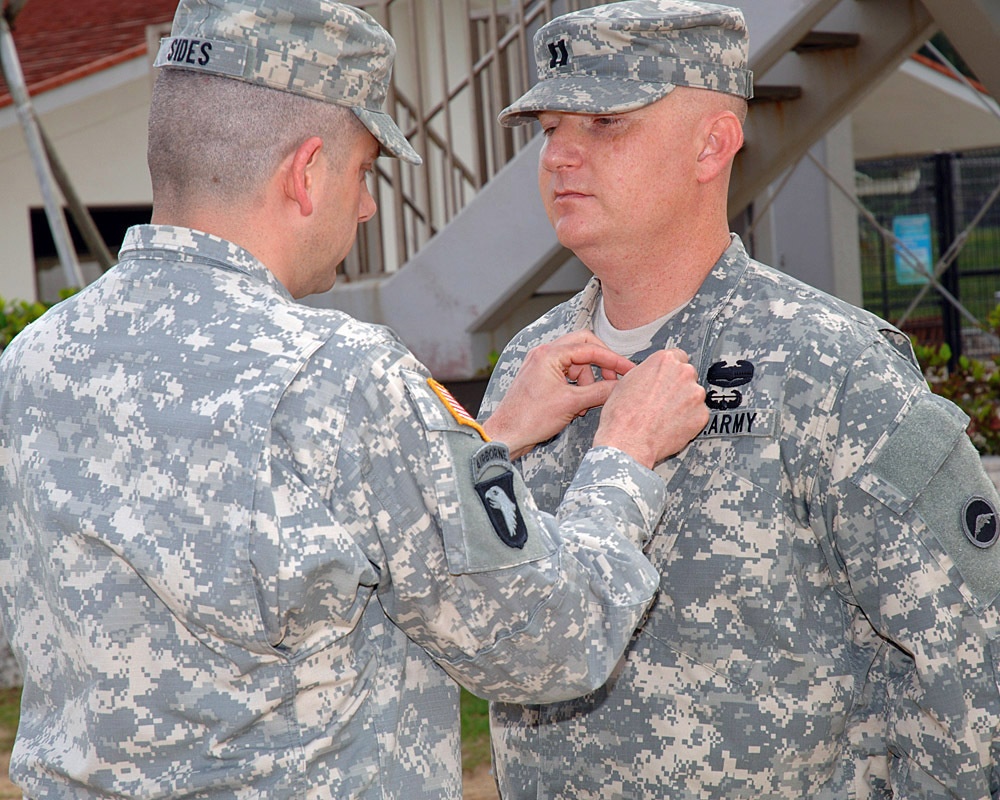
(775, 94)
(820, 41)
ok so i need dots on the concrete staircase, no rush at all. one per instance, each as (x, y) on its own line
(498, 263)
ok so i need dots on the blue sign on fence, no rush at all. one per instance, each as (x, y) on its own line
(914, 232)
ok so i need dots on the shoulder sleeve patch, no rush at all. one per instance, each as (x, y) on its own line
(499, 528)
(496, 525)
(437, 408)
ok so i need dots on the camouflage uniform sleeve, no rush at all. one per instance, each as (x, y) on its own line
(506, 369)
(905, 489)
(515, 604)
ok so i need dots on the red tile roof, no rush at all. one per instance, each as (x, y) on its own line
(60, 41)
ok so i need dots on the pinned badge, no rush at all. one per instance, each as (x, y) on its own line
(494, 480)
(979, 521)
(727, 377)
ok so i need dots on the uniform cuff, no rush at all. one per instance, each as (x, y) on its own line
(612, 468)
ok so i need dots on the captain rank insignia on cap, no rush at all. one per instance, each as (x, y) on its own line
(559, 53)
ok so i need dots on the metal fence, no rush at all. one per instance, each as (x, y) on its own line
(936, 206)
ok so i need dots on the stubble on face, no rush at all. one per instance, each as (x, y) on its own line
(345, 203)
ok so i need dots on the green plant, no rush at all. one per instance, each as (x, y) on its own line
(973, 385)
(15, 315)
(10, 708)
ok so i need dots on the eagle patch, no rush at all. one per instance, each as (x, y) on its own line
(501, 507)
(494, 480)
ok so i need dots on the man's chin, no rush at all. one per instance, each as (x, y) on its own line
(575, 239)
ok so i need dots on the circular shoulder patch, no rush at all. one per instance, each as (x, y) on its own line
(979, 520)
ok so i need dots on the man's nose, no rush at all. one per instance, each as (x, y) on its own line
(560, 149)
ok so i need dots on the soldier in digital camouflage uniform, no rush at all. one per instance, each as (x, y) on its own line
(244, 543)
(827, 620)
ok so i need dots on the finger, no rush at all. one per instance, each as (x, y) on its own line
(679, 354)
(613, 375)
(597, 354)
(581, 374)
(591, 396)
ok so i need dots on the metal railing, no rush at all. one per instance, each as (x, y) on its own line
(458, 64)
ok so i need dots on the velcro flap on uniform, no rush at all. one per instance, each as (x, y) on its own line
(928, 466)
(907, 458)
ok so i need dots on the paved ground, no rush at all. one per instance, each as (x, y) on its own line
(7, 789)
(476, 785)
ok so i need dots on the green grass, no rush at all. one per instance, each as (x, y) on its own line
(475, 731)
(10, 706)
(475, 726)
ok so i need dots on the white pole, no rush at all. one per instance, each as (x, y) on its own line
(11, 69)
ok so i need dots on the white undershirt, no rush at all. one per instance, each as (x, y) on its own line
(628, 342)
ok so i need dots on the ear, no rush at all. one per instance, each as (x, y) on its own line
(300, 173)
(723, 139)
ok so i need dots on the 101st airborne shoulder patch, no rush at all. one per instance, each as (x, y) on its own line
(494, 482)
(492, 476)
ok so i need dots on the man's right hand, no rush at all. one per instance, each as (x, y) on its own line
(556, 383)
(654, 410)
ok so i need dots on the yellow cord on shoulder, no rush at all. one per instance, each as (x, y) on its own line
(455, 408)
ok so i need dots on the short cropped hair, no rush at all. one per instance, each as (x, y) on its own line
(220, 139)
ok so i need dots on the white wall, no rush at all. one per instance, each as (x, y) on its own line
(98, 127)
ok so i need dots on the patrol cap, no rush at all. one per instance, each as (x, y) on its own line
(317, 48)
(622, 56)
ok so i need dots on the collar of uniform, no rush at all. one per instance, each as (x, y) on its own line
(582, 306)
(173, 243)
(692, 327)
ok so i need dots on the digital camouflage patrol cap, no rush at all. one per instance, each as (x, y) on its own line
(622, 56)
(324, 50)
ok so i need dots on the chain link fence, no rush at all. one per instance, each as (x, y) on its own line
(941, 211)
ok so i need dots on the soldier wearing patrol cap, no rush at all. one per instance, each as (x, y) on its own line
(245, 544)
(827, 620)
